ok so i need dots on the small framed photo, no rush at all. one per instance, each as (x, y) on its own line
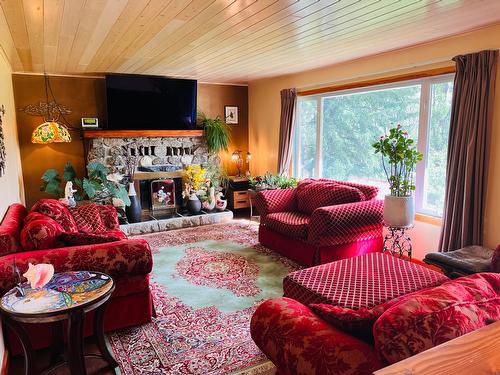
(231, 114)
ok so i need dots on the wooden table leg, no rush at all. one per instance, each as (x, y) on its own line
(99, 334)
(57, 345)
(29, 353)
(76, 358)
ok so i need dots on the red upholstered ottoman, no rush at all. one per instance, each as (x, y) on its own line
(364, 281)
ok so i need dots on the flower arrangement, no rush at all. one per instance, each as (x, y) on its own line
(398, 150)
(193, 177)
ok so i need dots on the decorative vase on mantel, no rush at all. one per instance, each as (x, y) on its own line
(399, 212)
(134, 210)
(193, 204)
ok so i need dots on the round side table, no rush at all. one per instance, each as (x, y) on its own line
(68, 296)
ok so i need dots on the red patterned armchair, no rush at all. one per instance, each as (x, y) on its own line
(85, 238)
(337, 320)
(321, 221)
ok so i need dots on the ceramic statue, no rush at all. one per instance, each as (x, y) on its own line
(220, 203)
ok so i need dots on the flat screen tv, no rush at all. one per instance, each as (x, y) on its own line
(140, 102)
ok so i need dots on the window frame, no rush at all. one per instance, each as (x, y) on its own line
(423, 128)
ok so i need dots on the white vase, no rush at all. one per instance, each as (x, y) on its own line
(399, 211)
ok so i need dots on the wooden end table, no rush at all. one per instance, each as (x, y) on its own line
(68, 296)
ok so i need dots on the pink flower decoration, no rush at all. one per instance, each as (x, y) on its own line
(39, 275)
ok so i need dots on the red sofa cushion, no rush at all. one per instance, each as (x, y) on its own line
(10, 229)
(57, 211)
(363, 281)
(88, 218)
(436, 315)
(34, 216)
(77, 239)
(291, 224)
(358, 322)
(41, 234)
(370, 192)
(109, 217)
(313, 194)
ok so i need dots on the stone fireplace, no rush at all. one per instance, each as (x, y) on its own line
(166, 154)
(157, 158)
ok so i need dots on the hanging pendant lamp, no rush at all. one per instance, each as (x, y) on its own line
(51, 130)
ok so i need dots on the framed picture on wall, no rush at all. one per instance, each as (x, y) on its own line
(231, 114)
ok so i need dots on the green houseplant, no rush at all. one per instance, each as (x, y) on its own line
(98, 186)
(217, 133)
(271, 181)
(399, 159)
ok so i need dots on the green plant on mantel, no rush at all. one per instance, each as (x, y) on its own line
(97, 187)
(217, 133)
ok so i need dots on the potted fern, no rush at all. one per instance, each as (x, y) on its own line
(399, 159)
(217, 133)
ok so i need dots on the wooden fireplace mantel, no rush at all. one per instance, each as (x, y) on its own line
(90, 134)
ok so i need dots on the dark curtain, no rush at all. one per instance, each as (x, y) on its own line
(468, 150)
(288, 100)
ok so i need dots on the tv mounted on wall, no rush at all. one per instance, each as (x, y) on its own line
(140, 102)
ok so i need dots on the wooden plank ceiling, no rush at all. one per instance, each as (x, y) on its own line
(231, 41)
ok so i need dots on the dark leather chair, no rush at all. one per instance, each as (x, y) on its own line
(461, 262)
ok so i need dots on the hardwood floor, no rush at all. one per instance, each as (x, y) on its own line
(95, 366)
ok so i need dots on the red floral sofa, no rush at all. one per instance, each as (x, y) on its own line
(382, 317)
(84, 238)
(321, 221)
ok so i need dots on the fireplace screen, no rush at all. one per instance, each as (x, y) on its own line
(163, 195)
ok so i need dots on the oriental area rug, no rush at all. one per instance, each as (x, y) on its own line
(207, 281)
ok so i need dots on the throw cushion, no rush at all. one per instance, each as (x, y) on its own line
(11, 228)
(314, 194)
(358, 322)
(88, 218)
(495, 261)
(291, 224)
(34, 216)
(41, 234)
(109, 216)
(434, 316)
(57, 211)
(79, 239)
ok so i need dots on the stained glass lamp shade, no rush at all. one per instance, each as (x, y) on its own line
(50, 132)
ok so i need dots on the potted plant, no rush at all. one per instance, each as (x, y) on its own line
(99, 186)
(399, 158)
(271, 182)
(217, 133)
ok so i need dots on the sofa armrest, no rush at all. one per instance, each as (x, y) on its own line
(120, 258)
(346, 219)
(299, 342)
(271, 201)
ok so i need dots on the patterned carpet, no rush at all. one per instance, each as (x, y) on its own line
(207, 282)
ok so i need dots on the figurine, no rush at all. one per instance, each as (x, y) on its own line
(68, 194)
(210, 204)
(220, 204)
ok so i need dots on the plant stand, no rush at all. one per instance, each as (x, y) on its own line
(397, 242)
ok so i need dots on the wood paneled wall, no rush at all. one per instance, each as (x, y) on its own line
(86, 98)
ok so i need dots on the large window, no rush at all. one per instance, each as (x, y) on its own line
(335, 131)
